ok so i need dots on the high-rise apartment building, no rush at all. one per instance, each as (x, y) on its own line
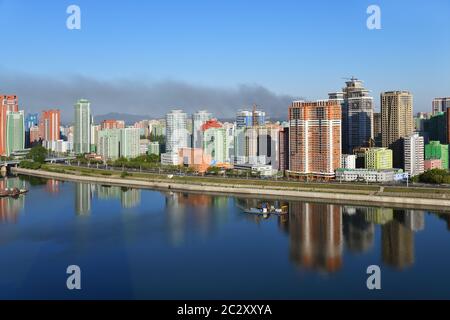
(435, 127)
(284, 149)
(117, 143)
(108, 146)
(447, 125)
(397, 116)
(35, 134)
(357, 116)
(49, 125)
(246, 118)
(31, 120)
(129, 143)
(258, 117)
(413, 147)
(215, 142)
(261, 145)
(198, 119)
(315, 137)
(377, 129)
(176, 133)
(440, 105)
(8, 103)
(396, 121)
(240, 146)
(95, 129)
(82, 128)
(269, 144)
(15, 131)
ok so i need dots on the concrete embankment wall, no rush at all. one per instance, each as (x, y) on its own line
(376, 200)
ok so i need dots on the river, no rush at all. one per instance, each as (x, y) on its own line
(143, 244)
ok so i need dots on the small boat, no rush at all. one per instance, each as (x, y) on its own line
(266, 211)
(15, 192)
(256, 211)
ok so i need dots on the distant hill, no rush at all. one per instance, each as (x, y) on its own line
(129, 119)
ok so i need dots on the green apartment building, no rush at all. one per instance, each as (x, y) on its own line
(378, 158)
(116, 143)
(130, 142)
(216, 144)
(437, 151)
(108, 144)
(15, 132)
(153, 148)
(82, 128)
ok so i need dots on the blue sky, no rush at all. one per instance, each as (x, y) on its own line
(295, 48)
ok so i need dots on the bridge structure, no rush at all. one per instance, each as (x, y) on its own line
(4, 165)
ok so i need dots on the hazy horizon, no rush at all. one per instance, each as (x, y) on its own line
(146, 58)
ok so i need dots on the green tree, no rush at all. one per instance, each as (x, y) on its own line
(154, 158)
(213, 170)
(435, 176)
(38, 154)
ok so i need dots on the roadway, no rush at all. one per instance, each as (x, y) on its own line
(291, 181)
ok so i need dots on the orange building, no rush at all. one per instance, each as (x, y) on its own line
(194, 158)
(7, 103)
(49, 125)
(113, 124)
(35, 134)
(315, 137)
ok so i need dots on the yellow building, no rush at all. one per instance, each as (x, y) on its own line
(378, 158)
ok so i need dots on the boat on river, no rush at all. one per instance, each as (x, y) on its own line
(266, 210)
(13, 192)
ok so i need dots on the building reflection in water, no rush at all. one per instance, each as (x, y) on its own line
(11, 207)
(446, 218)
(83, 198)
(129, 198)
(317, 232)
(52, 186)
(187, 210)
(316, 235)
(414, 220)
(359, 233)
(397, 237)
(85, 192)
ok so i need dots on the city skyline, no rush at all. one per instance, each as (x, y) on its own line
(204, 61)
(214, 151)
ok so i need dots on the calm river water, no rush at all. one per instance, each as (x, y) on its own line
(141, 244)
